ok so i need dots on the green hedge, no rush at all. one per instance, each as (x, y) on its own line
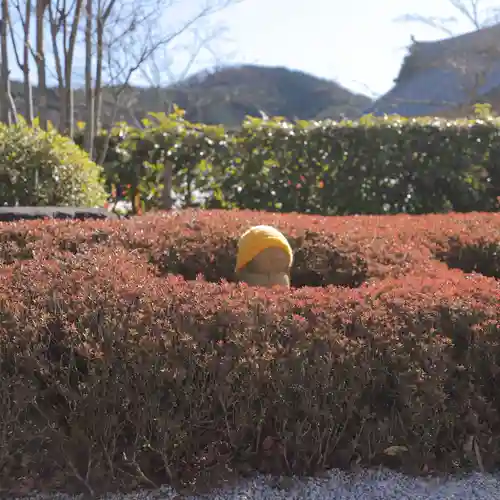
(375, 165)
(43, 168)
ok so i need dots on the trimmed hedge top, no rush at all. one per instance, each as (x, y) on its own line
(123, 376)
(373, 166)
(344, 251)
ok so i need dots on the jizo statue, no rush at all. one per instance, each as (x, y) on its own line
(264, 257)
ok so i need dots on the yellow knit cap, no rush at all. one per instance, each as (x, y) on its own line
(258, 239)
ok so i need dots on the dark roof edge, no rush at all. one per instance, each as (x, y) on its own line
(420, 54)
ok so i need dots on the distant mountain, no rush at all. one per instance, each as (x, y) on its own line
(226, 96)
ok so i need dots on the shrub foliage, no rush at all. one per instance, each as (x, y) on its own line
(43, 168)
(343, 251)
(123, 366)
(372, 166)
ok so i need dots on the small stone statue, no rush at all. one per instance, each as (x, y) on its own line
(264, 257)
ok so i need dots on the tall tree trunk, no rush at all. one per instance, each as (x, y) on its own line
(41, 6)
(69, 55)
(65, 20)
(102, 18)
(4, 102)
(58, 21)
(28, 90)
(167, 201)
(89, 94)
(8, 108)
(98, 73)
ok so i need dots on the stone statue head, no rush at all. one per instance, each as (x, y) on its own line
(264, 257)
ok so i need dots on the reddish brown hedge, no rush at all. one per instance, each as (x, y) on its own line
(345, 251)
(113, 374)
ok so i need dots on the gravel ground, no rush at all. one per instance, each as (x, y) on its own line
(367, 485)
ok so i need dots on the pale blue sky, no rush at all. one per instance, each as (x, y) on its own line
(358, 43)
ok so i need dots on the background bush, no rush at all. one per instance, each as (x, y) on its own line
(43, 168)
(374, 166)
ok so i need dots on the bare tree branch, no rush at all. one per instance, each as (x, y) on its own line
(438, 23)
(469, 10)
(119, 41)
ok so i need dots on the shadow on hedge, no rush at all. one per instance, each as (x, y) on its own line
(316, 264)
(482, 258)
